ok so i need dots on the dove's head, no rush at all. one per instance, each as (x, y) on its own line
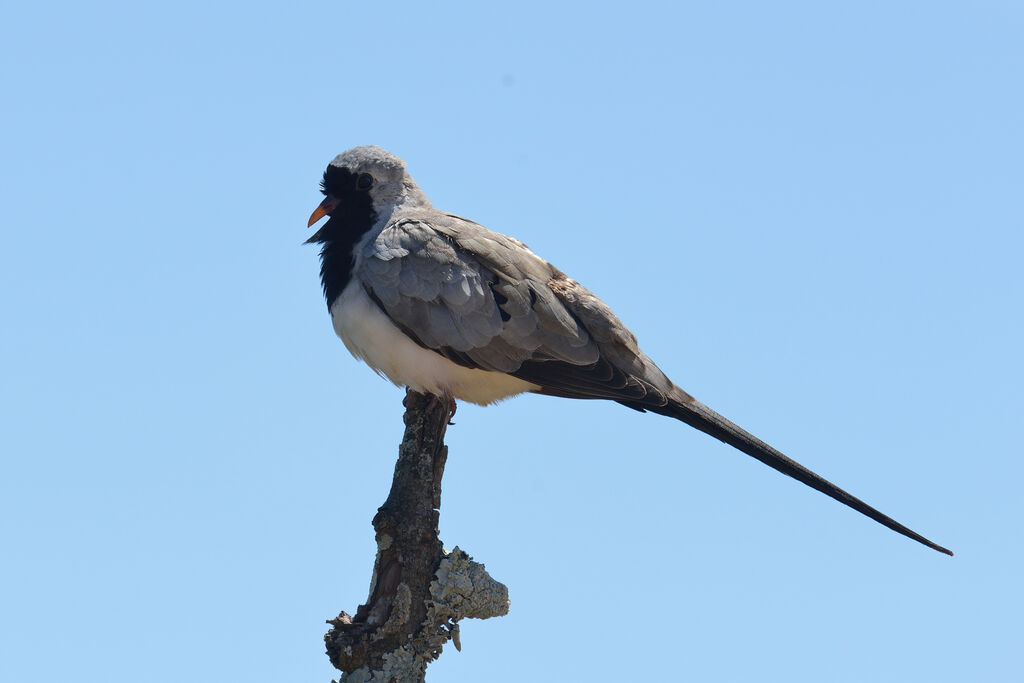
(361, 186)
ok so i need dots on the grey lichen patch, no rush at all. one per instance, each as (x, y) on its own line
(399, 610)
(400, 666)
(402, 606)
(463, 588)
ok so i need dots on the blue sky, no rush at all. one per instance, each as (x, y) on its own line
(809, 213)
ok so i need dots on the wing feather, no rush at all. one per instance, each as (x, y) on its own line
(484, 300)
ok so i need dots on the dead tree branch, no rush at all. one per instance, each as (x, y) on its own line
(418, 592)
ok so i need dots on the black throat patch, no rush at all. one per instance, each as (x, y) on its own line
(350, 220)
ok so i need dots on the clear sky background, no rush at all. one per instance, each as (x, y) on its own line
(809, 213)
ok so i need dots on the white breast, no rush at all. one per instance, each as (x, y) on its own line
(371, 336)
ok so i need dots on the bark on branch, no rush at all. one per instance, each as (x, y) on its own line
(418, 592)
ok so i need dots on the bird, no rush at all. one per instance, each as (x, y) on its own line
(441, 305)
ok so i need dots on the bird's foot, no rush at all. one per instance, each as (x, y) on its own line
(446, 402)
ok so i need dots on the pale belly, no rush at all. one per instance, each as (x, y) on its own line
(371, 337)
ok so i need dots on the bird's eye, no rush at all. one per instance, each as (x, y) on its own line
(364, 181)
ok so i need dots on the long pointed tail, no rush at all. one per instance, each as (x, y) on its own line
(699, 416)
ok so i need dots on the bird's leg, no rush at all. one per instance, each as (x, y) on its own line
(435, 400)
(448, 402)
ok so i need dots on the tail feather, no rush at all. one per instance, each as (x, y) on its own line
(699, 416)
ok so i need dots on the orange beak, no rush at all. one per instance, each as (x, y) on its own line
(325, 208)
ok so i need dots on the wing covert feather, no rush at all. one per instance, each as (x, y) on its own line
(452, 284)
(483, 299)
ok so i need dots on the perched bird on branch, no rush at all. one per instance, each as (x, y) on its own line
(442, 305)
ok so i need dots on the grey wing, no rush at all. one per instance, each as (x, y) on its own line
(470, 294)
(484, 300)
